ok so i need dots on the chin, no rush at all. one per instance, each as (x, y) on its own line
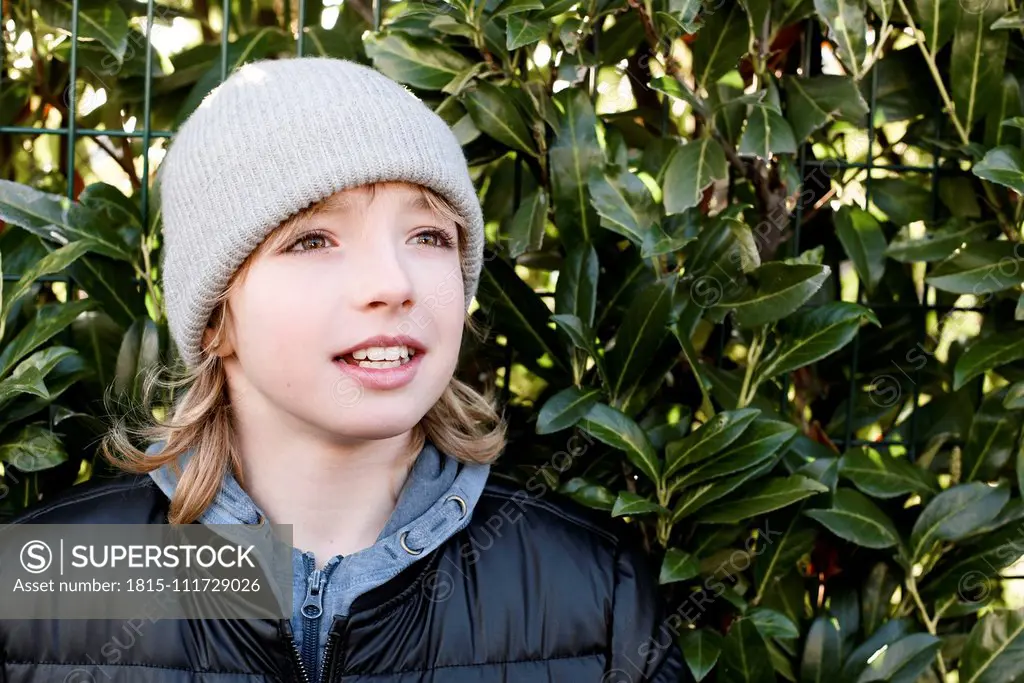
(371, 425)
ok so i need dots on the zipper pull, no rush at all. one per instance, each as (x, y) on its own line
(313, 606)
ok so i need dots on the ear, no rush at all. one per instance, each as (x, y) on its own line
(225, 345)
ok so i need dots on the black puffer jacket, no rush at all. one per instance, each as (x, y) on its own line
(537, 589)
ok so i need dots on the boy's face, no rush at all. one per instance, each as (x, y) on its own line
(385, 265)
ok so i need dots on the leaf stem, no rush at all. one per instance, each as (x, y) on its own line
(749, 387)
(928, 622)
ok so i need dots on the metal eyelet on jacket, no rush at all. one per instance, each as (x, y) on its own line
(461, 502)
(406, 547)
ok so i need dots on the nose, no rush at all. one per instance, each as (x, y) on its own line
(383, 280)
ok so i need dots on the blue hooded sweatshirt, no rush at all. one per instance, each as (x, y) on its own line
(424, 509)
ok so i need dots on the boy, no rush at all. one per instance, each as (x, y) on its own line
(323, 240)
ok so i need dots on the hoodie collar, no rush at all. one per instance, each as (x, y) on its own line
(432, 474)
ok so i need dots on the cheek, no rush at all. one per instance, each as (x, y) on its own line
(274, 316)
(442, 301)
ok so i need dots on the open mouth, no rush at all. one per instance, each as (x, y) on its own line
(373, 361)
(389, 373)
(373, 364)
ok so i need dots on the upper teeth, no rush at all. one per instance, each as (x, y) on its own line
(383, 353)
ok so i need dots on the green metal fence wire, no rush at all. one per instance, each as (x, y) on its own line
(811, 64)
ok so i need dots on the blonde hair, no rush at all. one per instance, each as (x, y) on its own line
(462, 423)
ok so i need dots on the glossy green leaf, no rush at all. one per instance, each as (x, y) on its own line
(710, 438)
(903, 661)
(56, 219)
(632, 504)
(576, 291)
(818, 100)
(903, 200)
(104, 22)
(509, 7)
(773, 624)
(43, 361)
(780, 547)
(813, 334)
(696, 498)
(29, 381)
(617, 430)
(876, 597)
(624, 204)
(776, 290)
(582, 337)
(978, 61)
(1014, 399)
(883, 637)
(589, 494)
(862, 238)
(678, 565)
(955, 513)
(1003, 165)
(701, 649)
(1007, 106)
(522, 31)
(527, 230)
(883, 8)
(49, 320)
(987, 354)
(1009, 21)
(991, 439)
(772, 494)
(34, 449)
(937, 19)
(936, 245)
(554, 8)
(676, 89)
(744, 657)
(980, 268)
(420, 63)
(573, 154)
(848, 28)
(781, 662)
(639, 336)
(760, 443)
(54, 262)
(691, 169)
(109, 203)
(521, 314)
(492, 109)
(882, 476)
(721, 42)
(767, 133)
(565, 409)
(855, 518)
(994, 651)
(822, 656)
(139, 354)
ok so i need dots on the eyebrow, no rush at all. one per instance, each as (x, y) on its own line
(342, 203)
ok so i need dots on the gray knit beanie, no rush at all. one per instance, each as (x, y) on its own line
(276, 137)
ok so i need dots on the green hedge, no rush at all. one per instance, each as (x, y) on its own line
(754, 282)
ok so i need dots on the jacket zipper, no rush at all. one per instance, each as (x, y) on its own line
(325, 674)
(298, 660)
(312, 608)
